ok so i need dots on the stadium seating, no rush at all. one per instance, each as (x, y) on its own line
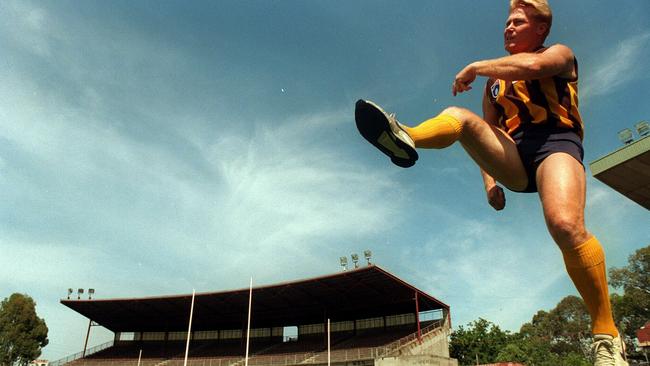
(310, 349)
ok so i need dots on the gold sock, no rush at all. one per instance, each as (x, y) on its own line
(586, 266)
(436, 133)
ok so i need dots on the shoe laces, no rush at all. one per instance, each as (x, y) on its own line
(392, 117)
(604, 352)
(399, 130)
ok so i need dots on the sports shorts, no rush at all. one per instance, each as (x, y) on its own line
(536, 143)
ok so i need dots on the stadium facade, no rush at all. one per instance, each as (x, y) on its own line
(362, 317)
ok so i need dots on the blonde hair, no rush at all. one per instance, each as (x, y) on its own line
(540, 10)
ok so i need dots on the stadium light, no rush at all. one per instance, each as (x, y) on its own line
(91, 292)
(70, 291)
(642, 128)
(344, 263)
(355, 259)
(625, 136)
(79, 293)
(368, 254)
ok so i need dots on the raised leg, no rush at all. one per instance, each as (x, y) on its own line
(491, 148)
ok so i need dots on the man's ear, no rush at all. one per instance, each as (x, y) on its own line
(542, 28)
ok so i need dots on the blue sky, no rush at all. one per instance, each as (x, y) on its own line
(154, 147)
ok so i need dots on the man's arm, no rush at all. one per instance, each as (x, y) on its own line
(495, 195)
(557, 60)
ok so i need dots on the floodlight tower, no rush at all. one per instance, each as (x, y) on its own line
(642, 128)
(355, 259)
(344, 263)
(368, 254)
(625, 136)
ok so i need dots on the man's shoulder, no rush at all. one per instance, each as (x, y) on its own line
(559, 48)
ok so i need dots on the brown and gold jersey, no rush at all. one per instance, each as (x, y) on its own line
(523, 103)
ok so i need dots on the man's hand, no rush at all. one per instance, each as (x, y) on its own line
(464, 79)
(496, 197)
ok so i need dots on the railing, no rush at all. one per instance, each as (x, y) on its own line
(392, 347)
(353, 354)
(357, 354)
(118, 362)
(281, 360)
(225, 361)
(79, 355)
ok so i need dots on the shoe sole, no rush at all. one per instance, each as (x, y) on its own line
(375, 128)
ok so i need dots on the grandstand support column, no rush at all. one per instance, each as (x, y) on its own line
(329, 345)
(189, 328)
(417, 317)
(90, 324)
(325, 321)
(248, 322)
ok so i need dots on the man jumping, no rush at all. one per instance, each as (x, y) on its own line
(529, 140)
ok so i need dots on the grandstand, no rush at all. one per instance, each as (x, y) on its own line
(627, 170)
(375, 319)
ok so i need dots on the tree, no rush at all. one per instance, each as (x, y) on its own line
(557, 337)
(566, 328)
(561, 336)
(538, 352)
(22, 332)
(632, 309)
(529, 351)
(482, 339)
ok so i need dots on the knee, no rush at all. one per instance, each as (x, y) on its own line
(459, 113)
(469, 120)
(568, 231)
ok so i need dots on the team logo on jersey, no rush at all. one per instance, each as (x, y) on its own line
(494, 89)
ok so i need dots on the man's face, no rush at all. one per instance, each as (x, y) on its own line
(523, 33)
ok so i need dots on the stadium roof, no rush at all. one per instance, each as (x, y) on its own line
(348, 295)
(627, 170)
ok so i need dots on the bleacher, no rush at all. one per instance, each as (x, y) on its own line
(308, 349)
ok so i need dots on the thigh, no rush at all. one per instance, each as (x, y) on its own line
(561, 184)
(493, 150)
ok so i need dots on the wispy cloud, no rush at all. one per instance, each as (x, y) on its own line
(29, 24)
(251, 195)
(281, 192)
(502, 273)
(620, 65)
(116, 180)
(108, 207)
